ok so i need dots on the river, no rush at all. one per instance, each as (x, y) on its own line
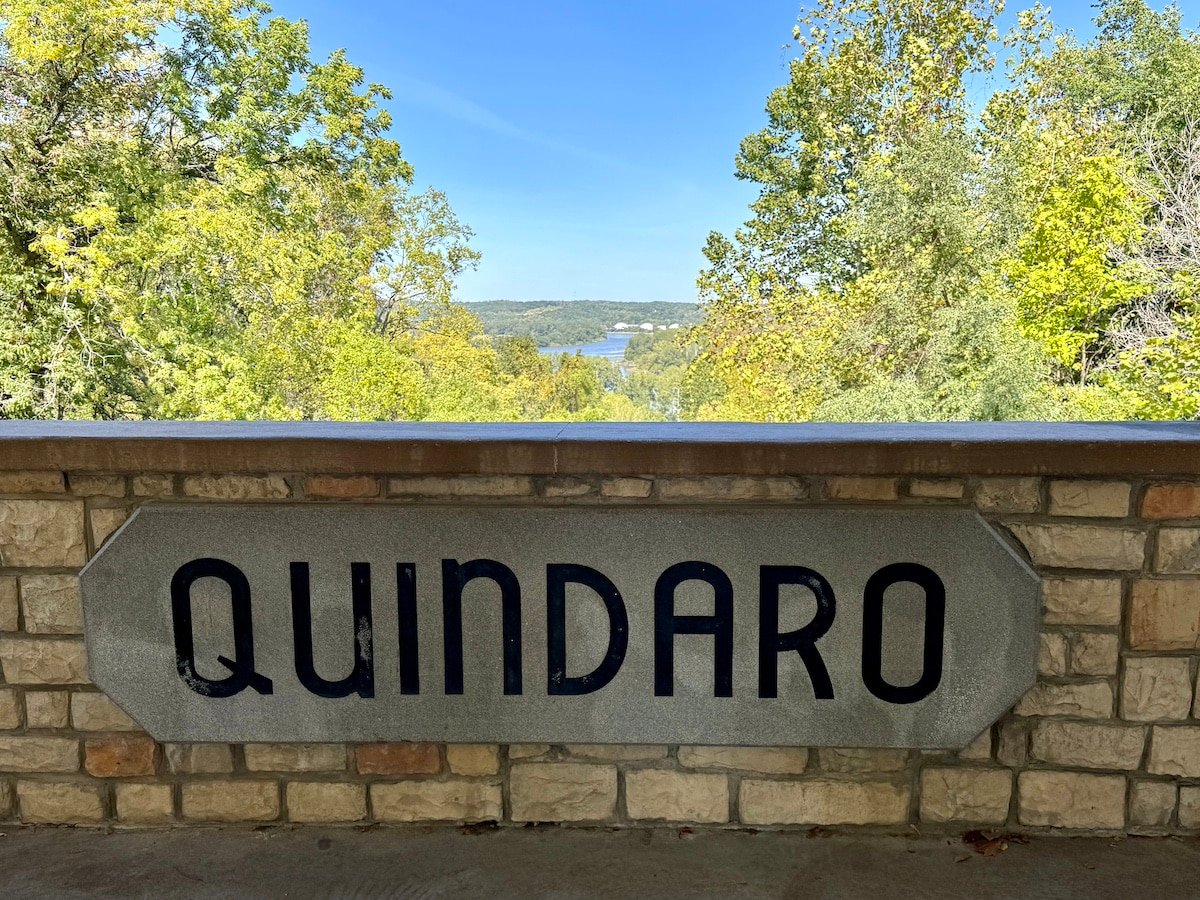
(611, 348)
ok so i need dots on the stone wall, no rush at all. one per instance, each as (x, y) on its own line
(1108, 740)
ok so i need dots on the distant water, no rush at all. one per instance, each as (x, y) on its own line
(612, 347)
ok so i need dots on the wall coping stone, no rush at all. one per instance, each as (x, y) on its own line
(1131, 449)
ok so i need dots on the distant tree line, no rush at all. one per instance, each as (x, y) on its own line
(567, 322)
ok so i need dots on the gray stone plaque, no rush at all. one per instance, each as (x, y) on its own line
(662, 625)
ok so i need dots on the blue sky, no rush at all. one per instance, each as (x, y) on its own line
(588, 143)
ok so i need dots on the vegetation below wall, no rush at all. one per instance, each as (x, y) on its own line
(555, 324)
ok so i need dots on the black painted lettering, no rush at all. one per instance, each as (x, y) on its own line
(667, 625)
(406, 606)
(558, 683)
(803, 640)
(361, 679)
(935, 628)
(455, 577)
(241, 667)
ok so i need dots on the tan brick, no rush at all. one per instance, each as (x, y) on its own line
(326, 802)
(236, 487)
(1189, 806)
(120, 757)
(1178, 551)
(32, 483)
(1175, 750)
(341, 487)
(1089, 746)
(1082, 601)
(462, 486)
(527, 751)
(618, 752)
(1083, 546)
(8, 800)
(87, 485)
(1100, 499)
(1165, 615)
(769, 760)
(628, 488)
(822, 801)
(856, 488)
(1155, 688)
(398, 759)
(473, 759)
(567, 487)
(95, 712)
(562, 792)
(848, 759)
(436, 801)
(1151, 803)
(1171, 501)
(51, 604)
(145, 804)
(295, 757)
(47, 709)
(10, 709)
(938, 489)
(231, 801)
(59, 803)
(676, 796)
(153, 485)
(43, 661)
(41, 533)
(1094, 653)
(25, 753)
(1071, 800)
(1052, 654)
(199, 759)
(9, 619)
(731, 488)
(1011, 495)
(105, 522)
(1084, 700)
(965, 795)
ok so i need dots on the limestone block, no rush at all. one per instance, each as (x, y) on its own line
(979, 749)
(105, 521)
(158, 485)
(95, 712)
(1094, 653)
(965, 795)
(731, 488)
(1151, 803)
(1155, 688)
(199, 759)
(527, 751)
(617, 752)
(51, 604)
(295, 757)
(626, 488)
(938, 489)
(231, 801)
(1012, 745)
(326, 802)
(41, 533)
(88, 485)
(436, 801)
(1100, 499)
(145, 804)
(1087, 745)
(10, 709)
(47, 709)
(32, 482)
(43, 661)
(1178, 551)
(1011, 495)
(473, 759)
(865, 489)
(676, 796)
(1175, 750)
(767, 760)
(567, 487)
(1085, 700)
(1189, 806)
(1083, 546)
(1082, 601)
(1071, 800)
(562, 792)
(59, 803)
(1052, 653)
(1165, 615)
(25, 753)
(8, 603)
(236, 487)
(844, 759)
(822, 801)
(462, 486)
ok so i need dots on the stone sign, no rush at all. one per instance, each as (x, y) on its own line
(664, 625)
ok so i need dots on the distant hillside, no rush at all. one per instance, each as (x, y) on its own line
(575, 321)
